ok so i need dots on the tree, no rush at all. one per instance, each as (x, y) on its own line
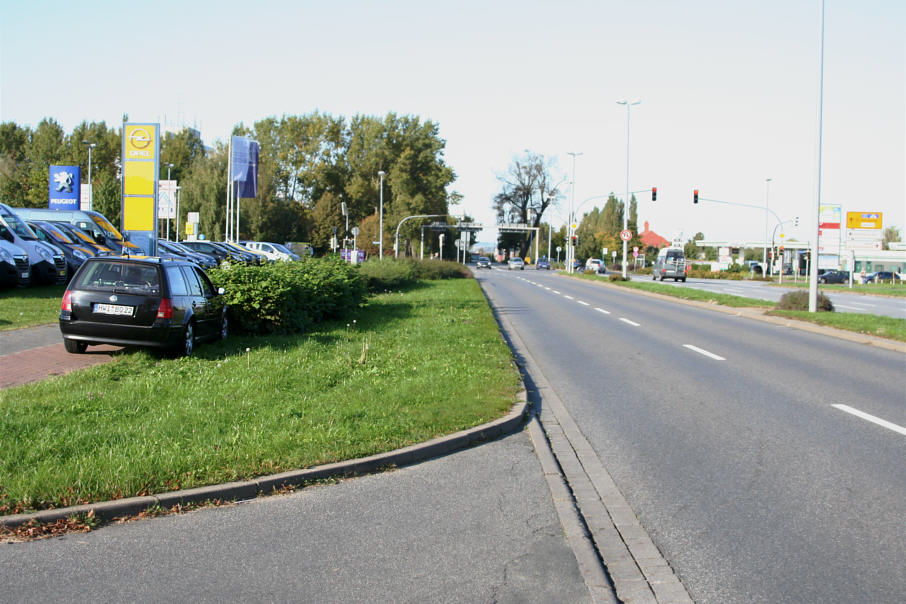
(528, 190)
(891, 235)
(691, 250)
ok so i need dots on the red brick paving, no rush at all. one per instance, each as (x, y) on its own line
(41, 363)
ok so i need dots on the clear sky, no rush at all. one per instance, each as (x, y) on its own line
(729, 89)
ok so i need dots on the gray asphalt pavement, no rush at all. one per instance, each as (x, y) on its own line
(727, 437)
(475, 526)
(843, 301)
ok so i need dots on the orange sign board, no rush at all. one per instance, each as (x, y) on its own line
(864, 220)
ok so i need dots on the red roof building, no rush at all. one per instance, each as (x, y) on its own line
(651, 239)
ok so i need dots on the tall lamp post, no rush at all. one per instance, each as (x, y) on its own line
(570, 250)
(626, 201)
(381, 220)
(169, 167)
(764, 255)
(90, 188)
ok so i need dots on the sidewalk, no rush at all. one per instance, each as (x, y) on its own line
(32, 354)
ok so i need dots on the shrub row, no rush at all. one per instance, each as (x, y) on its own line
(289, 297)
(382, 275)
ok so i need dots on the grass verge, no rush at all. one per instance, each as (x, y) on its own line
(411, 366)
(877, 289)
(686, 293)
(27, 307)
(875, 325)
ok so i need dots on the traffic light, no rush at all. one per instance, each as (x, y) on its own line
(695, 196)
(575, 240)
(796, 221)
(653, 193)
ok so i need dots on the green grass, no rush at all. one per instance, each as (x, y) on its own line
(878, 289)
(875, 325)
(686, 293)
(412, 366)
(26, 307)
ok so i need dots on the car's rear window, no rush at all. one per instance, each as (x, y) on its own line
(121, 277)
(674, 255)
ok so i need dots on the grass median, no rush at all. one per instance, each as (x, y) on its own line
(27, 307)
(874, 325)
(408, 367)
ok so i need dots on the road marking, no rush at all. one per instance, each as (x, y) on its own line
(606, 312)
(569, 297)
(556, 292)
(852, 307)
(872, 418)
(582, 303)
(704, 352)
(633, 323)
(547, 288)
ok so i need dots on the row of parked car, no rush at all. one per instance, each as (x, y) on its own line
(45, 246)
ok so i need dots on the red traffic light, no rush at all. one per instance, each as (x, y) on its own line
(653, 193)
(695, 196)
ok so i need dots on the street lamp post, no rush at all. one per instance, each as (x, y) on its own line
(381, 219)
(90, 188)
(626, 202)
(570, 250)
(764, 256)
(169, 167)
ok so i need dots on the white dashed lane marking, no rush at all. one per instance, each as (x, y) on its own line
(871, 418)
(704, 352)
(606, 312)
(633, 323)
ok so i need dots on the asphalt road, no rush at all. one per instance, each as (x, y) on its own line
(723, 435)
(843, 301)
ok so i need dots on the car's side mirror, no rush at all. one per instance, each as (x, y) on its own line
(4, 232)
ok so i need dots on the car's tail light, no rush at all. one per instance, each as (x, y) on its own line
(165, 310)
(66, 305)
(686, 270)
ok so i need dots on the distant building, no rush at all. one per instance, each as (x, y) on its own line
(651, 239)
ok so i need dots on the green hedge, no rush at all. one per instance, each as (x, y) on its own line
(388, 274)
(289, 297)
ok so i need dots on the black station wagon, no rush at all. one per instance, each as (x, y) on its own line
(141, 301)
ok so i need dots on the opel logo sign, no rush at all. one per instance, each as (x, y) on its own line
(140, 138)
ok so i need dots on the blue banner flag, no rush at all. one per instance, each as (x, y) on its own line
(244, 166)
(64, 187)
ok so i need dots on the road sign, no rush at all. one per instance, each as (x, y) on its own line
(613, 254)
(626, 235)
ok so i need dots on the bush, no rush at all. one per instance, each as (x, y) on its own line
(798, 300)
(618, 277)
(382, 275)
(289, 297)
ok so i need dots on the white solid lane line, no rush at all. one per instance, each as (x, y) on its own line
(704, 352)
(872, 418)
(633, 323)
(606, 312)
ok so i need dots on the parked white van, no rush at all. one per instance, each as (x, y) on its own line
(274, 251)
(46, 261)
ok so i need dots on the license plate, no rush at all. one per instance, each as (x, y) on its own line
(112, 309)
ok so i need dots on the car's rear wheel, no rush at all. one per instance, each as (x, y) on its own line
(74, 346)
(188, 340)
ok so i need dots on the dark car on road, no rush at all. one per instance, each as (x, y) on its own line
(141, 301)
(879, 277)
(834, 276)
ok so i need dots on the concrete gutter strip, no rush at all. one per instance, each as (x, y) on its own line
(265, 485)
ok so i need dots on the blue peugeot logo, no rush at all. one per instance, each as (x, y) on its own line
(64, 181)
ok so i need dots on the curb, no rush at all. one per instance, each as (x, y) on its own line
(265, 485)
(851, 336)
